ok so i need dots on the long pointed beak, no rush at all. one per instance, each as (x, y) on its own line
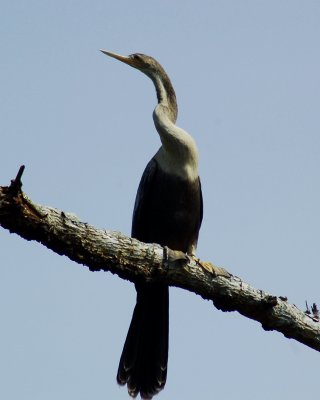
(125, 59)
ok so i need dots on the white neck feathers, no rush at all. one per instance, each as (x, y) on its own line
(178, 154)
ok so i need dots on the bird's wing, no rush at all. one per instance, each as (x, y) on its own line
(144, 189)
(201, 204)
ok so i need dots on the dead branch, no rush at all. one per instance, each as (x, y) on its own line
(130, 259)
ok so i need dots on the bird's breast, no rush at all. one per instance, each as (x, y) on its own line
(170, 213)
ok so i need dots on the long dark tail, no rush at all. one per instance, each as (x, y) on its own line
(144, 359)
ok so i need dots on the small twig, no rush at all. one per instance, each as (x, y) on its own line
(16, 183)
(308, 312)
(315, 311)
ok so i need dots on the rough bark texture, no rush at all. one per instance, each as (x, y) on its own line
(110, 251)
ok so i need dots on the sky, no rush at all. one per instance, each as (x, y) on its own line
(247, 80)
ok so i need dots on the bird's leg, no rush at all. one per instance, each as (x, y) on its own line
(172, 256)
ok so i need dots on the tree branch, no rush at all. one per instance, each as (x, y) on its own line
(130, 259)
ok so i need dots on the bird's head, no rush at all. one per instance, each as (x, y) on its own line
(150, 67)
(142, 62)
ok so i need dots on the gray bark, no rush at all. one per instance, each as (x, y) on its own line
(130, 259)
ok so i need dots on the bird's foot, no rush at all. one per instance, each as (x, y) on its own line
(212, 269)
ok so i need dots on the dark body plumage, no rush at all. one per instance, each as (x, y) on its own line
(167, 211)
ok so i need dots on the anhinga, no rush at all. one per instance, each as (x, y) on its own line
(167, 211)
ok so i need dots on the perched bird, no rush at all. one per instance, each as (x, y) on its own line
(167, 211)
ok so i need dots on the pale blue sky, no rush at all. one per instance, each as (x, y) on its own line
(247, 79)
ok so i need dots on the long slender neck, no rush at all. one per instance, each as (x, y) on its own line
(166, 95)
(178, 154)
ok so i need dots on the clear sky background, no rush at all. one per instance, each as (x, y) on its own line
(247, 79)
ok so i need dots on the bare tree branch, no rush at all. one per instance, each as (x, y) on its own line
(130, 259)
